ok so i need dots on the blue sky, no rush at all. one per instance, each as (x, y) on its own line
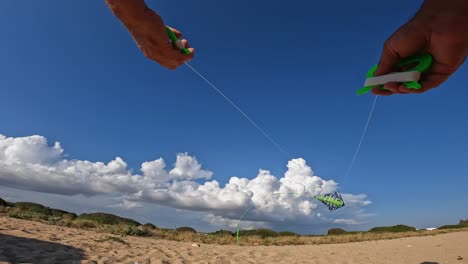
(71, 73)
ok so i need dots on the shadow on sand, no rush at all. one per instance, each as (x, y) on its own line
(20, 250)
(429, 262)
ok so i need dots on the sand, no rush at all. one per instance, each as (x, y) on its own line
(32, 242)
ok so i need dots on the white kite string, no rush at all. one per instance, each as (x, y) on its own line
(237, 108)
(274, 142)
(353, 161)
(350, 167)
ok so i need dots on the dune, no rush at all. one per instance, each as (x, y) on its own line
(23, 241)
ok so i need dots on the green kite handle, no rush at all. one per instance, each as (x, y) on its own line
(424, 62)
(176, 42)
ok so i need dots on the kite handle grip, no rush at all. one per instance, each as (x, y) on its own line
(424, 62)
(176, 42)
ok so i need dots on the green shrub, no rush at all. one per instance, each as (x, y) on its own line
(392, 229)
(461, 224)
(107, 219)
(59, 213)
(449, 227)
(33, 208)
(258, 232)
(4, 209)
(336, 231)
(186, 229)
(27, 215)
(3, 202)
(83, 223)
(287, 233)
(149, 225)
(222, 233)
(128, 230)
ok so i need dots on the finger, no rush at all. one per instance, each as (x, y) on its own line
(176, 32)
(405, 42)
(404, 90)
(185, 43)
(392, 86)
(438, 74)
(192, 52)
(433, 80)
(379, 91)
(182, 57)
(388, 59)
(187, 46)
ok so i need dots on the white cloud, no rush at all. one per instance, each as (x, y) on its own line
(30, 163)
(126, 204)
(188, 168)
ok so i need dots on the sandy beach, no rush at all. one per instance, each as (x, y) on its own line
(32, 242)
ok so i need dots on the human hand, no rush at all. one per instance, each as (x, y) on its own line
(440, 29)
(149, 32)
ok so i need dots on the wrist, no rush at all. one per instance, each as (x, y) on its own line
(445, 8)
(443, 16)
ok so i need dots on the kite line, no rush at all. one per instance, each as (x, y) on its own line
(364, 132)
(237, 108)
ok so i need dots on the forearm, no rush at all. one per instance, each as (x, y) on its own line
(127, 10)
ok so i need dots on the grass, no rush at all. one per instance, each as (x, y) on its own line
(263, 233)
(288, 233)
(461, 224)
(392, 229)
(186, 229)
(112, 224)
(108, 219)
(150, 226)
(337, 231)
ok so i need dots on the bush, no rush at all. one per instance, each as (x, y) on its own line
(449, 227)
(83, 223)
(288, 233)
(149, 225)
(461, 224)
(392, 229)
(3, 202)
(66, 219)
(27, 215)
(222, 233)
(336, 231)
(186, 229)
(258, 232)
(60, 213)
(107, 219)
(128, 230)
(32, 207)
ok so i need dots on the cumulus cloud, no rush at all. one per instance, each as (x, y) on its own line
(30, 163)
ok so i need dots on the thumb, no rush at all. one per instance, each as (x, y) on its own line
(405, 42)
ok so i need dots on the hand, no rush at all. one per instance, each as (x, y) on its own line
(154, 43)
(149, 32)
(440, 29)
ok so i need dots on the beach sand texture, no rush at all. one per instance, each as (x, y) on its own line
(32, 242)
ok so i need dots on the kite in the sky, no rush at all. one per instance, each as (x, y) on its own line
(332, 200)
